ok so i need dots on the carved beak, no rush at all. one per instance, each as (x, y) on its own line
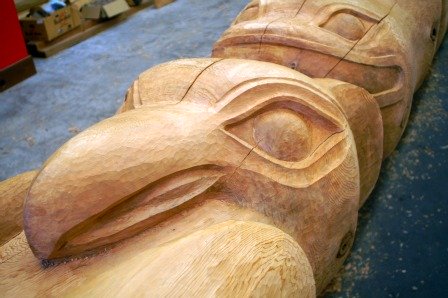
(123, 175)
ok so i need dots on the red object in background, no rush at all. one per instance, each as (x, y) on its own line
(15, 63)
(12, 47)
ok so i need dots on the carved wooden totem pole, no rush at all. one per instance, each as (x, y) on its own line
(224, 176)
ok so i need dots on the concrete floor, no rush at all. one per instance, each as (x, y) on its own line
(401, 248)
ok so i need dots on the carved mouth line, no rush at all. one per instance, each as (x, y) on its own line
(147, 207)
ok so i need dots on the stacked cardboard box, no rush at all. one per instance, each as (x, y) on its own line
(50, 27)
(70, 17)
(103, 9)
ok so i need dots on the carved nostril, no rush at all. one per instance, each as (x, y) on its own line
(345, 245)
(434, 31)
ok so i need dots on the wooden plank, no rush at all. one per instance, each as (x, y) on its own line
(160, 3)
(16, 73)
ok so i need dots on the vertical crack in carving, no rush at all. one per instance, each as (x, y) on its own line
(300, 8)
(197, 77)
(267, 26)
(243, 160)
(264, 33)
(359, 40)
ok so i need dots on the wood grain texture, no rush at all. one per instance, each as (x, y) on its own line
(254, 134)
(364, 117)
(12, 197)
(216, 262)
(383, 46)
(187, 255)
(223, 176)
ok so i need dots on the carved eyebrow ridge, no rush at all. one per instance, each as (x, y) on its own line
(226, 98)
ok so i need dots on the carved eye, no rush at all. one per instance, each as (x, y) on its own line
(250, 12)
(284, 131)
(346, 25)
(282, 134)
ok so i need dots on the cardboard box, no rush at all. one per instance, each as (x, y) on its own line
(92, 12)
(78, 4)
(58, 23)
(104, 11)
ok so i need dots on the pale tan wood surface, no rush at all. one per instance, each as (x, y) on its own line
(383, 46)
(12, 197)
(228, 177)
(364, 117)
(214, 262)
(189, 254)
(254, 134)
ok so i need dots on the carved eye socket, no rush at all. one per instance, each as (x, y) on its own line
(346, 25)
(284, 131)
(250, 12)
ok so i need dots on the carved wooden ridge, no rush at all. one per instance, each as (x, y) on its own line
(228, 176)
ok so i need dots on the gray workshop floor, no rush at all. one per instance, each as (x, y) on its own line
(402, 243)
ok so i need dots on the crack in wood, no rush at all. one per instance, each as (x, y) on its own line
(359, 40)
(197, 77)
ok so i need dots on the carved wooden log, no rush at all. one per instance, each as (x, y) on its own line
(253, 134)
(383, 46)
(182, 258)
(250, 172)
